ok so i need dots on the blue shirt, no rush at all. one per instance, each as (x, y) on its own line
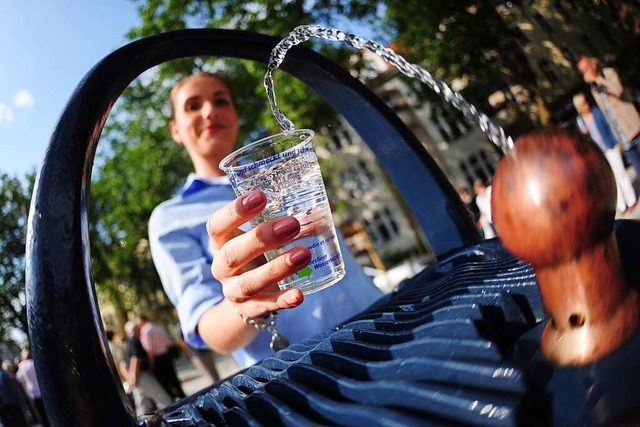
(181, 253)
(598, 129)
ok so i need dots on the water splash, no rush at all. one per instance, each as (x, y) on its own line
(304, 32)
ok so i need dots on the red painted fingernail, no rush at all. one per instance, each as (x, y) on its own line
(299, 256)
(252, 200)
(286, 226)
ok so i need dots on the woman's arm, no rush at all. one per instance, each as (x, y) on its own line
(183, 262)
(223, 329)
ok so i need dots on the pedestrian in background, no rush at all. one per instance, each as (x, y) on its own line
(470, 203)
(592, 122)
(148, 394)
(12, 412)
(158, 346)
(611, 98)
(27, 376)
(483, 200)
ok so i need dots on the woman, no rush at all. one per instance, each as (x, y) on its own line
(592, 122)
(148, 393)
(609, 93)
(207, 265)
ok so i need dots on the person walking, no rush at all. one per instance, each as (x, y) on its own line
(12, 412)
(620, 113)
(147, 391)
(592, 122)
(470, 203)
(157, 344)
(483, 201)
(27, 376)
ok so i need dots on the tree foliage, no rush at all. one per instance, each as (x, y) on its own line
(14, 205)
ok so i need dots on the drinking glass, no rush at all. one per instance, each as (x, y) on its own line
(285, 167)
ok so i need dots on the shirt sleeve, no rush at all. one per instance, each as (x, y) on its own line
(184, 267)
(610, 82)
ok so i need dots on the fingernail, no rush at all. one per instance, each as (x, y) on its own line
(299, 256)
(286, 226)
(291, 299)
(252, 200)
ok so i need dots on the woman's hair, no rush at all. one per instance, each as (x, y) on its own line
(578, 100)
(224, 79)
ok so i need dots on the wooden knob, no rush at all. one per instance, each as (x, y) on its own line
(553, 205)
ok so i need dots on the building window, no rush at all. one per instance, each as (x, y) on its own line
(365, 176)
(467, 173)
(341, 138)
(486, 162)
(382, 227)
(450, 123)
(443, 128)
(392, 221)
(477, 166)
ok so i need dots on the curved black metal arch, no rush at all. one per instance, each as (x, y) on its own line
(65, 328)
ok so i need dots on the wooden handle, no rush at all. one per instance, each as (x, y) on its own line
(553, 205)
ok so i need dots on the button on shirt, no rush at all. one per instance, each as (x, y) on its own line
(181, 252)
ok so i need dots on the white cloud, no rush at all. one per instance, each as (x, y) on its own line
(6, 113)
(23, 99)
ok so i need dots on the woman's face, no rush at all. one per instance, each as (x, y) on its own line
(205, 119)
(582, 106)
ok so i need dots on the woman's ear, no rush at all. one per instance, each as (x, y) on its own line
(175, 134)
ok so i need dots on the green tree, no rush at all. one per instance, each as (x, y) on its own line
(14, 205)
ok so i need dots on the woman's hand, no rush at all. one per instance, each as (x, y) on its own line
(251, 286)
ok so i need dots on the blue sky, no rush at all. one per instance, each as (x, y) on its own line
(46, 47)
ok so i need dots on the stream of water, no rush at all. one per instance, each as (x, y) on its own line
(304, 32)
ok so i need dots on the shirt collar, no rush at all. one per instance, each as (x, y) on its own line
(196, 183)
